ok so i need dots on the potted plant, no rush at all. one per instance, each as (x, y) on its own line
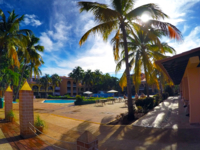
(11, 116)
(39, 124)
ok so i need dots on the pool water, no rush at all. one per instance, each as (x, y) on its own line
(59, 101)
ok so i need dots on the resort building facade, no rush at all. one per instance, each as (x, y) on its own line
(68, 86)
(184, 70)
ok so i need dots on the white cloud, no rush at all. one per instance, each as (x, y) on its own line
(54, 40)
(31, 20)
(59, 71)
(185, 28)
(190, 41)
(96, 54)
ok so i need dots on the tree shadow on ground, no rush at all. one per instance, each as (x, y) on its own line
(128, 137)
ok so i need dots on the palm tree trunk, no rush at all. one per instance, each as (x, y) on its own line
(130, 102)
(20, 80)
(147, 86)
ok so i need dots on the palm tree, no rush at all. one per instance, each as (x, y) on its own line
(88, 77)
(31, 59)
(77, 74)
(56, 80)
(11, 37)
(144, 49)
(45, 81)
(119, 19)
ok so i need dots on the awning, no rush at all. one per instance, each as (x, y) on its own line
(175, 66)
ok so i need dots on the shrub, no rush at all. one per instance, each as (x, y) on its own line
(169, 90)
(146, 104)
(39, 122)
(157, 100)
(165, 95)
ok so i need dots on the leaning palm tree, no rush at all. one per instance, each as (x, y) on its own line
(145, 48)
(11, 37)
(118, 18)
(31, 59)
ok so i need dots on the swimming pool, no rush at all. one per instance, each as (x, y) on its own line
(58, 101)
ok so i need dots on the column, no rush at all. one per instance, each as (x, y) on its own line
(8, 101)
(26, 116)
(87, 141)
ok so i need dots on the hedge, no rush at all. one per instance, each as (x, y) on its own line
(59, 97)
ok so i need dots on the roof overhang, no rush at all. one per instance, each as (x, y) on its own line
(174, 67)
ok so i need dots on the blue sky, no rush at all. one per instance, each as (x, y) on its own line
(59, 25)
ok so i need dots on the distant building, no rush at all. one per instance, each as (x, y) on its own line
(68, 86)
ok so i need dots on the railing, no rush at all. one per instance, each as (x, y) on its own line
(42, 90)
(68, 85)
(32, 128)
(35, 90)
(57, 88)
(56, 93)
(50, 90)
(74, 85)
(68, 91)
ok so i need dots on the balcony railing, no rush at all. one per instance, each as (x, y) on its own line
(74, 85)
(35, 90)
(42, 90)
(56, 93)
(50, 90)
(57, 88)
(68, 91)
(68, 85)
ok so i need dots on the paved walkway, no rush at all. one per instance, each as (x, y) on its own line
(15, 142)
(117, 137)
(169, 114)
(4, 145)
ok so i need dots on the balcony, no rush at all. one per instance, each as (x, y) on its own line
(74, 85)
(68, 91)
(42, 90)
(68, 85)
(57, 88)
(50, 90)
(35, 90)
(56, 93)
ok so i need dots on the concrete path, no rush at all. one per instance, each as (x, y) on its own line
(4, 145)
(169, 114)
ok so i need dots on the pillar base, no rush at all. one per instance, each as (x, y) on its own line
(27, 136)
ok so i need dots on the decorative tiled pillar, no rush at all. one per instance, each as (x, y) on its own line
(8, 101)
(87, 141)
(26, 111)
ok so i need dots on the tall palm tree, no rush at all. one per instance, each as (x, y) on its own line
(88, 77)
(77, 74)
(145, 48)
(56, 80)
(11, 37)
(31, 59)
(45, 81)
(118, 19)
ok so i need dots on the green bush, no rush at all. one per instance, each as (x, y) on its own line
(146, 104)
(169, 90)
(165, 95)
(158, 99)
(59, 97)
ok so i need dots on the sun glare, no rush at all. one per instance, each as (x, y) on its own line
(145, 18)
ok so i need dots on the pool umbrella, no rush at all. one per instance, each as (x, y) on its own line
(112, 91)
(87, 92)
